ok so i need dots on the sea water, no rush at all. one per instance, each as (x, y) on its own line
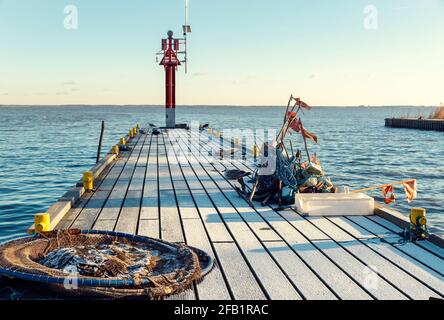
(45, 150)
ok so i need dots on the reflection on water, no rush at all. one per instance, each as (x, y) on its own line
(44, 150)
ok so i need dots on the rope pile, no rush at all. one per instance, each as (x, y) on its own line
(291, 172)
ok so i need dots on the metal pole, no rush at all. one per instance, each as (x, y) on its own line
(99, 149)
(185, 36)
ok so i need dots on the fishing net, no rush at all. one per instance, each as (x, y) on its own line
(103, 264)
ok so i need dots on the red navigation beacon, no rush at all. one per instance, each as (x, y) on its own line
(170, 61)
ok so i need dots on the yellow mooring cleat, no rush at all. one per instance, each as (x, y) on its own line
(116, 150)
(256, 151)
(418, 225)
(42, 222)
(88, 181)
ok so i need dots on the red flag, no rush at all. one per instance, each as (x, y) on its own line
(292, 121)
(296, 125)
(410, 190)
(389, 195)
(306, 133)
(297, 100)
(302, 104)
(310, 135)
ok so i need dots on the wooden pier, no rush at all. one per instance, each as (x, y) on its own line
(414, 123)
(168, 186)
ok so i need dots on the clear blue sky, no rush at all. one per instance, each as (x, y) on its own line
(242, 52)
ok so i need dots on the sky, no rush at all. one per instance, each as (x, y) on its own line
(241, 52)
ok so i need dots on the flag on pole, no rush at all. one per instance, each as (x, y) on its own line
(410, 190)
(292, 121)
(296, 125)
(301, 103)
(307, 133)
(389, 195)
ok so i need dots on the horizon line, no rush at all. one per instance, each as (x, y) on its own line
(212, 105)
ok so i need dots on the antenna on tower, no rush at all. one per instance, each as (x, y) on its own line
(186, 29)
(171, 54)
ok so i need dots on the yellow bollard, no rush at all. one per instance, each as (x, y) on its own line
(255, 151)
(135, 131)
(418, 216)
(122, 141)
(418, 224)
(88, 181)
(138, 126)
(42, 222)
(116, 150)
(131, 134)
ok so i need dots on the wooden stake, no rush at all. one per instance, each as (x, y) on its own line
(286, 111)
(99, 148)
(305, 140)
(253, 192)
(285, 119)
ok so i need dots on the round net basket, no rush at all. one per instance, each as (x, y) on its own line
(104, 264)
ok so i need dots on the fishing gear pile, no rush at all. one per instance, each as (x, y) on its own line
(104, 264)
(291, 173)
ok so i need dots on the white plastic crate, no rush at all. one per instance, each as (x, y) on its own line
(335, 204)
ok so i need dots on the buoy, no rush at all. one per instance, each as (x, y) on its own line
(131, 134)
(210, 130)
(42, 222)
(116, 150)
(236, 141)
(88, 181)
(255, 151)
(217, 133)
(135, 131)
(138, 126)
(122, 141)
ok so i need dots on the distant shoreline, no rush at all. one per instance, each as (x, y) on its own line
(199, 106)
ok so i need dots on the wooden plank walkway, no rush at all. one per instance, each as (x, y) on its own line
(169, 187)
